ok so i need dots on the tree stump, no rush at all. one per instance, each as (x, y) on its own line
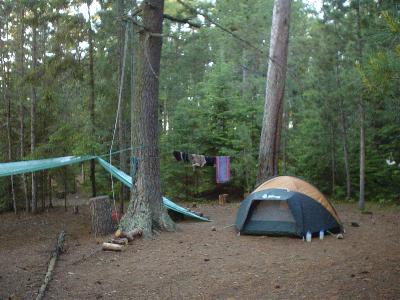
(100, 212)
(222, 199)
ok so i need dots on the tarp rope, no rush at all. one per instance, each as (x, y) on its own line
(121, 85)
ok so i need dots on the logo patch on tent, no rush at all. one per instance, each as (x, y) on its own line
(266, 196)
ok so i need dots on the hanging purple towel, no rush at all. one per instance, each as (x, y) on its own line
(223, 168)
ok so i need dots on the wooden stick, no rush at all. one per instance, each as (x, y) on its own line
(111, 247)
(53, 258)
(120, 241)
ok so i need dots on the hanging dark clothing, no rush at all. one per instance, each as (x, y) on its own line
(179, 156)
(185, 156)
(210, 161)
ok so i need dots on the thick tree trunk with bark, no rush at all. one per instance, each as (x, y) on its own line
(100, 212)
(273, 109)
(146, 210)
(361, 200)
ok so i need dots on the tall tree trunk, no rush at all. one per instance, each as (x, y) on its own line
(146, 209)
(361, 199)
(22, 151)
(284, 145)
(344, 131)
(21, 94)
(245, 75)
(121, 121)
(43, 189)
(33, 117)
(333, 159)
(65, 179)
(92, 99)
(272, 120)
(7, 101)
(50, 189)
(345, 153)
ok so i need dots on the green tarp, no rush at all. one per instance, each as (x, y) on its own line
(127, 180)
(28, 166)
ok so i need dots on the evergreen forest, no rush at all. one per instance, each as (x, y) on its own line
(68, 67)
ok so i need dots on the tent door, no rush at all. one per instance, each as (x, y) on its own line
(270, 217)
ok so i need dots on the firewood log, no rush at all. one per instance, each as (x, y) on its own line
(119, 241)
(111, 247)
(131, 235)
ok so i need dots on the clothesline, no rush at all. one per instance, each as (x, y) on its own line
(222, 163)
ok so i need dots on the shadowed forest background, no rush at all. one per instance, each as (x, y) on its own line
(212, 93)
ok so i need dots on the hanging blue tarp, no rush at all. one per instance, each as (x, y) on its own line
(28, 166)
(121, 176)
(127, 180)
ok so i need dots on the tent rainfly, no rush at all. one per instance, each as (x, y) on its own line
(286, 205)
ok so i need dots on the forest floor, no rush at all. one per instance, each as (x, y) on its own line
(198, 263)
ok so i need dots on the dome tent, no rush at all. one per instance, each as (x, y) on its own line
(286, 205)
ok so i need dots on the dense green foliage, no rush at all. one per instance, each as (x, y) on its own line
(212, 88)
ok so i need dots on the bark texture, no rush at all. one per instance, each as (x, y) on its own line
(273, 109)
(100, 212)
(146, 210)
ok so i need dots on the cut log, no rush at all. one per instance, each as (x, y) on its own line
(120, 241)
(131, 235)
(112, 247)
(53, 258)
(222, 199)
(100, 212)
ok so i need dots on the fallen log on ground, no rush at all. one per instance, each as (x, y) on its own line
(53, 259)
(130, 235)
(112, 247)
(119, 241)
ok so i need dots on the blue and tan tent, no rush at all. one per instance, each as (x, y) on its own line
(286, 205)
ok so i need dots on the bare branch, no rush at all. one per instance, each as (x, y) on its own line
(182, 20)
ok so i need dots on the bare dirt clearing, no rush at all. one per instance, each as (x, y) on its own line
(198, 263)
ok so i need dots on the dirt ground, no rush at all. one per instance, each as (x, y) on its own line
(198, 263)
